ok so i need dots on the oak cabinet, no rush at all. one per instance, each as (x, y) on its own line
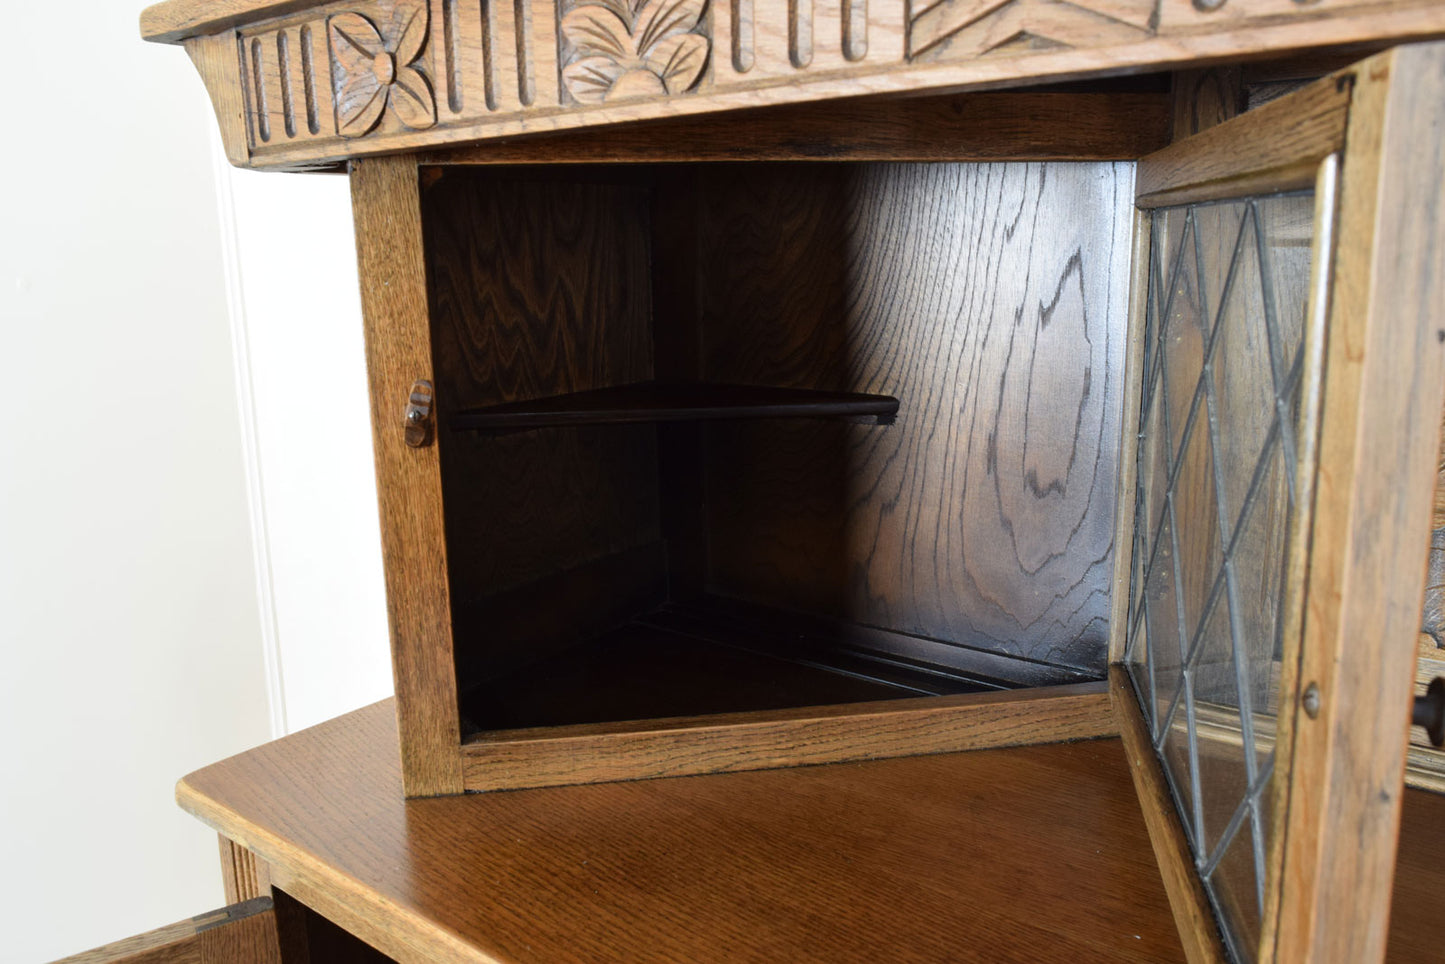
(716, 445)
(852, 430)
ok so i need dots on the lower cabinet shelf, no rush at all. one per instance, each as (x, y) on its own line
(679, 661)
(713, 686)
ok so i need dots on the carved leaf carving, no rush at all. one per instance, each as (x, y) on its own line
(412, 35)
(590, 78)
(355, 45)
(594, 30)
(666, 18)
(679, 61)
(626, 49)
(412, 99)
(373, 69)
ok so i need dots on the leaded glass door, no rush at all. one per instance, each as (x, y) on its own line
(1225, 390)
(1286, 385)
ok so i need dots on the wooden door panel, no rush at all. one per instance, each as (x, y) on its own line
(1289, 380)
(242, 933)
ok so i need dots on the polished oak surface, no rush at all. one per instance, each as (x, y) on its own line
(1030, 854)
(1415, 933)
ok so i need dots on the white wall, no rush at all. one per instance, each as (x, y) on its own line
(138, 638)
(297, 315)
(128, 616)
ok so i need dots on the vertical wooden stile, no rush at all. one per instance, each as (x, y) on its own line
(1384, 375)
(386, 204)
(1129, 441)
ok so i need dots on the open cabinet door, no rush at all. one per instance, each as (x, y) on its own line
(1289, 334)
(243, 933)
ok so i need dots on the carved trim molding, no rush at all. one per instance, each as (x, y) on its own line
(956, 29)
(627, 49)
(349, 78)
(373, 69)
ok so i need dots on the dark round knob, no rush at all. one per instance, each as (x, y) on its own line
(1429, 711)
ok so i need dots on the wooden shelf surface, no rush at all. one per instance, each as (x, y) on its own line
(1028, 854)
(677, 662)
(662, 402)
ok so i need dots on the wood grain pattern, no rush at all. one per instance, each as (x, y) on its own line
(243, 876)
(496, 74)
(173, 22)
(809, 735)
(1272, 148)
(386, 206)
(243, 933)
(1192, 914)
(1385, 370)
(1208, 96)
(725, 743)
(1419, 880)
(984, 516)
(918, 859)
(540, 286)
(963, 127)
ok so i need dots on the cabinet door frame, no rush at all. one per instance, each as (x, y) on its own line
(386, 201)
(245, 932)
(1370, 139)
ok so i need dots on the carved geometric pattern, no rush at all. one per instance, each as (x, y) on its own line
(624, 49)
(959, 29)
(283, 83)
(373, 69)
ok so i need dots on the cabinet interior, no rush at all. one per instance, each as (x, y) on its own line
(728, 437)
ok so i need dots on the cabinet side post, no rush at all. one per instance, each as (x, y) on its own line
(1127, 476)
(1384, 365)
(243, 874)
(386, 202)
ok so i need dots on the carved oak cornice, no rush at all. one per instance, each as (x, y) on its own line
(298, 84)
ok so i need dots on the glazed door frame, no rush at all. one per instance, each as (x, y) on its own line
(1371, 141)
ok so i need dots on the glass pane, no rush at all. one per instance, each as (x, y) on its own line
(1229, 287)
(1196, 525)
(1244, 382)
(1234, 887)
(1161, 623)
(1183, 337)
(1223, 776)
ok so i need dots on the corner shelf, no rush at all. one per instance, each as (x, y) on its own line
(704, 657)
(663, 402)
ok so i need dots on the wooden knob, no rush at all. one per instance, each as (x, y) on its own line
(418, 419)
(1429, 711)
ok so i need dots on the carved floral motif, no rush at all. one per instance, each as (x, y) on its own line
(634, 48)
(373, 70)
